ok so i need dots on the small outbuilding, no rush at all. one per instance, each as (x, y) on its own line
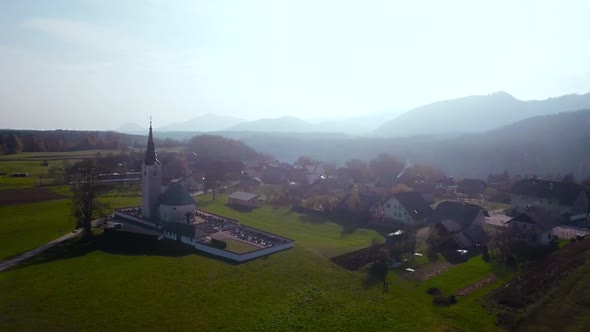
(244, 199)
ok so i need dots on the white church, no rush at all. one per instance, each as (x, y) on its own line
(159, 202)
(169, 212)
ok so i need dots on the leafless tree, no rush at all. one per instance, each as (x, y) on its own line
(85, 203)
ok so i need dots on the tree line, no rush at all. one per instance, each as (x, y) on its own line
(16, 141)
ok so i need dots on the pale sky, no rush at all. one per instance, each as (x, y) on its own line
(98, 64)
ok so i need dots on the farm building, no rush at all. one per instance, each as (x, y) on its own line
(243, 199)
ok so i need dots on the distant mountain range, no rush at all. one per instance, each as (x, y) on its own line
(282, 124)
(476, 114)
(203, 123)
(543, 145)
(442, 119)
(358, 125)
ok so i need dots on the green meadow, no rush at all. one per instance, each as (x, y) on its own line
(77, 286)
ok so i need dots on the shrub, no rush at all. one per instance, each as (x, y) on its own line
(442, 300)
(485, 255)
(452, 299)
(433, 291)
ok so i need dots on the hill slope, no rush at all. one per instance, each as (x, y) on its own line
(282, 124)
(203, 123)
(476, 114)
(555, 144)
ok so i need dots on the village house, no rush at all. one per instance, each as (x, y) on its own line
(459, 225)
(446, 185)
(253, 165)
(473, 188)
(276, 175)
(534, 226)
(406, 208)
(368, 202)
(243, 199)
(562, 200)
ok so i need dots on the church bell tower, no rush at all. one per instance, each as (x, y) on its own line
(151, 180)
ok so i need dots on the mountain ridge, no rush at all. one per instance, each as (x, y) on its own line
(476, 113)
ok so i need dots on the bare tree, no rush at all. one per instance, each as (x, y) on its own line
(85, 204)
(502, 242)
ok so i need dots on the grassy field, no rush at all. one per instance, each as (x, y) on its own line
(297, 289)
(239, 247)
(56, 155)
(26, 226)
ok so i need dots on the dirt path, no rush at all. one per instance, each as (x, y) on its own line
(4, 265)
(428, 271)
(477, 285)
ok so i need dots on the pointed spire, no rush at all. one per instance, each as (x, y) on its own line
(150, 152)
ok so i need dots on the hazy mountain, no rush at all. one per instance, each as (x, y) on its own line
(543, 145)
(282, 124)
(131, 128)
(203, 123)
(476, 114)
(361, 124)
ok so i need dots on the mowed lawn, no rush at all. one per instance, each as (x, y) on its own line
(239, 247)
(297, 289)
(26, 226)
(317, 235)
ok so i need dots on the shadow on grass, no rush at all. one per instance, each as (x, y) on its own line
(118, 243)
(313, 219)
(239, 208)
(205, 203)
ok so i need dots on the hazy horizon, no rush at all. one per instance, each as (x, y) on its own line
(100, 64)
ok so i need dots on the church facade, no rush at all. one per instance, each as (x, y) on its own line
(158, 202)
(170, 212)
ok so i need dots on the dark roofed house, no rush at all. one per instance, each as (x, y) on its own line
(252, 165)
(406, 207)
(459, 225)
(556, 198)
(243, 199)
(534, 226)
(472, 187)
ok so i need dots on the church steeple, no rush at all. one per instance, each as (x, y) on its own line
(150, 152)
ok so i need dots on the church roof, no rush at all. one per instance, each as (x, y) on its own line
(176, 195)
(150, 152)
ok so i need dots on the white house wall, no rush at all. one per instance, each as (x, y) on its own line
(151, 182)
(392, 209)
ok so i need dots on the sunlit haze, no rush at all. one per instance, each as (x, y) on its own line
(99, 64)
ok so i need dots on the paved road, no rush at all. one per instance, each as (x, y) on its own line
(14, 261)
